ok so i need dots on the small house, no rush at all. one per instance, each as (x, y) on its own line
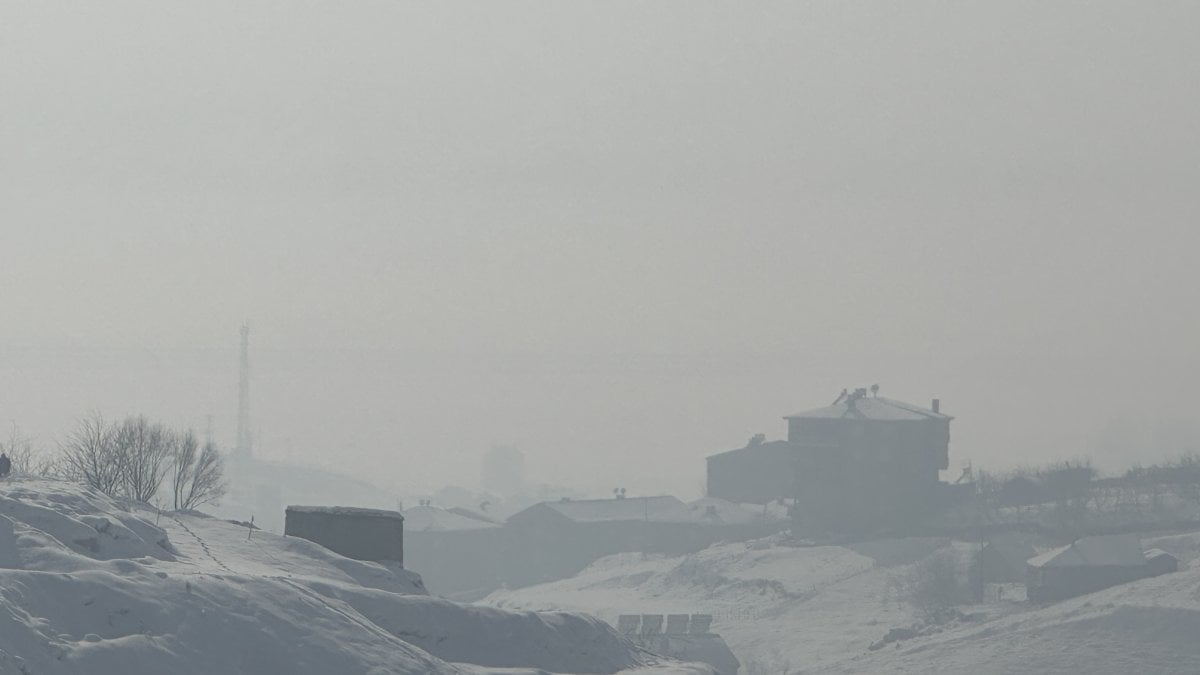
(1087, 565)
(362, 534)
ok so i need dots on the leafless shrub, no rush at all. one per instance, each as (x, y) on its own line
(21, 451)
(90, 455)
(144, 449)
(198, 473)
(134, 457)
(934, 586)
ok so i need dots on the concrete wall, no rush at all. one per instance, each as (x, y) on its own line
(360, 535)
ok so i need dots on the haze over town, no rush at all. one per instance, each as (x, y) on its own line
(618, 237)
(671, 338)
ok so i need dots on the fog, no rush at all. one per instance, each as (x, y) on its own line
(621, 237)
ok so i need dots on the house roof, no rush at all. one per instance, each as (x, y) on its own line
(346, 511)
(871, 408)
(470, 513)
(663, 508)
(435, 519)
(1115, 550)
(766, 446)
(1156, 553)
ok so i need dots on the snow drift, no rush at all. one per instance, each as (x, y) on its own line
(92, 585)
(819, 609)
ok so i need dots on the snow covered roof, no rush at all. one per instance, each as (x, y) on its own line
(346, 511)
(662, 508)
(764, 447)
(1154, 553)
(1115, 550)
(470, 513)
(871, 408)
(435, 519)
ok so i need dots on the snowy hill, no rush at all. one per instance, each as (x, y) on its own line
(785, 609)
(91, 585)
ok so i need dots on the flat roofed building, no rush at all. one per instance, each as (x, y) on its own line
(362, 534)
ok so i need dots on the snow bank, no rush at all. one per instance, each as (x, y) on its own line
(818, 609)
(91, 585)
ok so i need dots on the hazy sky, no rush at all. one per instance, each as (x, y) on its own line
(621, 236)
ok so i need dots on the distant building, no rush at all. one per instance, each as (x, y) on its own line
(426, 518)
(457, 552)
(558, 539)
(624, 509)
(362, 534)
(1091, 564)
(859, 461)
(463, 554)
(756, 474)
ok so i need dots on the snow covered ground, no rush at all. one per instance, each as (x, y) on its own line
(90, 585)
(785, 609)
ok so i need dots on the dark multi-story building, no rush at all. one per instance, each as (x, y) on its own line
(860, 460)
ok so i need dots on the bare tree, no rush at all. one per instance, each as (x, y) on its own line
(145, 449)
(198, 473)
(20, 451)
(187, 451)
(90, 455)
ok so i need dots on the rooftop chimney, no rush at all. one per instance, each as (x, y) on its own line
(937, 405)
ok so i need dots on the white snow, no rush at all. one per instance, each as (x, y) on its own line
(786, 609)
(91, 585)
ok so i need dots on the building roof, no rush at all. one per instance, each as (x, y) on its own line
(346, 511)
(436, 519)
(1115, 550)
(871, 408)
(663, 508)
(471, 513)
(766, 446)
(1156, 553)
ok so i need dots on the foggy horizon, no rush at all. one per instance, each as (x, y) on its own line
(618, 237)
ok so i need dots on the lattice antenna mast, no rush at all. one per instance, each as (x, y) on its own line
(244, 440)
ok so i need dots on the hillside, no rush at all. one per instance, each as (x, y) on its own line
(91, 585)
(785, 609)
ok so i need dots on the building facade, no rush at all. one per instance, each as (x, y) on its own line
(860, 461)
(362, 534)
